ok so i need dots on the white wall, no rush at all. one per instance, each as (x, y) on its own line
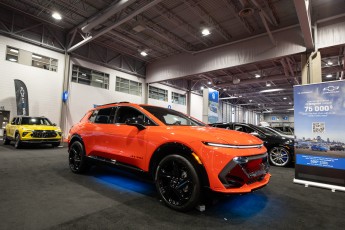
(83, 97)
(165, 104)
(44, 86)
(196, 106)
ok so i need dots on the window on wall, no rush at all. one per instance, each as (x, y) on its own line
(127, 86)
(28, 58)
(91, 77)
(158, 94)
(178, 98)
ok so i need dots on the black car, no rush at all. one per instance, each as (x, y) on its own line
(280, 149)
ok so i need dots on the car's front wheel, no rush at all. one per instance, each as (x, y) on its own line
(279, 156)
(5, 140)
(77, 159)
(178, 183)
(18, 142)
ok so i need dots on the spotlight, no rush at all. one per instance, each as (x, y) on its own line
(257, 75)
(143, 53)
(329, 75)
(205, 32)
(56, 16)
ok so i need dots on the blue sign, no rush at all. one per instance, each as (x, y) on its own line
(319, 111)
(286, 118)
(213, 98)
(274, 118)
(65, 96)
(321, 161)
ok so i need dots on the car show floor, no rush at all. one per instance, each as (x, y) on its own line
(38, 191)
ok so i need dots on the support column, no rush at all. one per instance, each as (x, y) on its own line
(189, 96)
(311, 68)
(64, 106)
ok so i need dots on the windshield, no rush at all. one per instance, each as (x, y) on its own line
(35, 121)
(172, 117)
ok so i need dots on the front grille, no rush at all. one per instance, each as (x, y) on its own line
(244, 170)
(43, 134)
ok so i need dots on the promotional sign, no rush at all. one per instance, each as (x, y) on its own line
(22, 97)
(319, 131)
(213, 99)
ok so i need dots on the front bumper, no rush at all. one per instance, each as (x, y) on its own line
(236, 170)
(41, 141)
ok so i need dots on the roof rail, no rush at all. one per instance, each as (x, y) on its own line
(114, 103)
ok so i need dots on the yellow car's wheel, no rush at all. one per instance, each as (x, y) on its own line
(17, 143)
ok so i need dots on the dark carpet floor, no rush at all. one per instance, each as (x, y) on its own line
(38, 191)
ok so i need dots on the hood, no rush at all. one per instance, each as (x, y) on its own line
(216, 135)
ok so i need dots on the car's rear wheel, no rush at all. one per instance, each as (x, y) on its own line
(5, 140)
(18, 142)
(279, 156)
(178, 183)
(77, 159)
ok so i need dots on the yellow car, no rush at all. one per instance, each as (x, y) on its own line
(25, 129)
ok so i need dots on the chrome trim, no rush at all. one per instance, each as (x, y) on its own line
(233, 146)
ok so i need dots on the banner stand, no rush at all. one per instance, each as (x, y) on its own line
(320, 185)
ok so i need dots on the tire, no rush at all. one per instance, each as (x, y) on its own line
(279, 156)
(178, 183)
(77, 159)
(17, 141)
(5, 140)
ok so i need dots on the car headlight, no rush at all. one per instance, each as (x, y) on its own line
(232, 146)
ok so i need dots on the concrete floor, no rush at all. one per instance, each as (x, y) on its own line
(38, 191)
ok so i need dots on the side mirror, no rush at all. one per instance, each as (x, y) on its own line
(137, 122)
(54, 124)
(12, 123)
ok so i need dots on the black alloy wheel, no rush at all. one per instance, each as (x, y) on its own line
(5, 140)
(177, 182)
(77, 159)
(279, 156)
(17, 143)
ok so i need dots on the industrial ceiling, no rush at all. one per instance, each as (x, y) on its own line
(164, 28)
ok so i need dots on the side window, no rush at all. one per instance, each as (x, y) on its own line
(105, 116)
(125, 113)
(93, 116)
(13, 122)
(18, 120)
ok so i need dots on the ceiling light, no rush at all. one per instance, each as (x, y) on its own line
(226, 98)
(239, 95)
(290, 103)
(270, 90)
(329, 75)
(268, 84)
(259, 104)
(57, 16)
(291, 109)
(250, 100)
(285, 98)
(209, 83)
(143, 53)
(205, 32)
(36, 56)
(12, 59)
(329, 63)
(14, 51)
(224, 89)
(257, 75)
(202, 87)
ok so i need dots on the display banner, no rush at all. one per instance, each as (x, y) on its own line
(319, 133)
(213, 101)
(22, 97)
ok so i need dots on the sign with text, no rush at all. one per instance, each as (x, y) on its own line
(213, 100)
(319, 131)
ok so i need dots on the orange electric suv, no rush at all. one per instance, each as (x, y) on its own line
(184, 155)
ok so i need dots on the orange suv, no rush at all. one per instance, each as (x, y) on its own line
(183, 154)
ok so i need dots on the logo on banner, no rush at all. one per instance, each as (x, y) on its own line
(331, 89)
